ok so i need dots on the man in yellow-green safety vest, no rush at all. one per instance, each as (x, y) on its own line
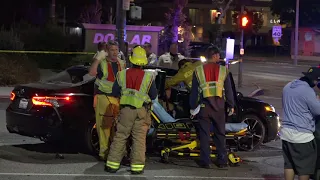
(136, 89)
(209, 82)
(106, 107)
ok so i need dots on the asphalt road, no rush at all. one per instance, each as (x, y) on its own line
(23, 158)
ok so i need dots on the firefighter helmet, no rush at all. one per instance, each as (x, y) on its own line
(138, 56)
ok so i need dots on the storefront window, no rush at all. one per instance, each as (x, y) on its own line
(235, 17)
(214, 15)
(194, 16)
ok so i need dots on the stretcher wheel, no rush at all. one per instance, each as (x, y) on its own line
(233, 160)
(165, 158)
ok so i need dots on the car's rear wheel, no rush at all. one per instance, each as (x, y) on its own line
(92, 139)
(256, 130)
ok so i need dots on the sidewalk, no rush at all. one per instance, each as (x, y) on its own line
(279, 60)
(5, 92)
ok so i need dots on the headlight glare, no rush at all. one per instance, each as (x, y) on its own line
(270, 108)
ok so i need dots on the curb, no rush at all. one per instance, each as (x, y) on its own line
(4, 97)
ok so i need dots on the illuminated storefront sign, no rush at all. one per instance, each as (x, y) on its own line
(136, 35)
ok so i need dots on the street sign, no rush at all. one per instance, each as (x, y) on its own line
(126, 5)
(241, 51)
(276, 31)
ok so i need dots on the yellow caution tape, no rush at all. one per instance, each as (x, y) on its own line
(45, 52)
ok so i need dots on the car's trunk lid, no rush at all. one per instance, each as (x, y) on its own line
(23, 94)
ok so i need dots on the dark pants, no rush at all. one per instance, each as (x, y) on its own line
(208, 115)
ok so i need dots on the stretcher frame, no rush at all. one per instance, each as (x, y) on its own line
(187, 147)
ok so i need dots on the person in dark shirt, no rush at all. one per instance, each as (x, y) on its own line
(212, 84)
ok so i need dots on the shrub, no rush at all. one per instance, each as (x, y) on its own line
(17, 69)
(81, 60)
(9, 40)
(49, 38)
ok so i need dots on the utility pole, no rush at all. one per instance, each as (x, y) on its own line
(241, 54)
(53, 11)
(121, 25)
(296, 34)
(64, 20)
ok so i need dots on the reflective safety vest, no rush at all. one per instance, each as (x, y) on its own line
(211, 82)
(135, 97)
(106, 82)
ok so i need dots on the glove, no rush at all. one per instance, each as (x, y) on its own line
(194, 112)
(101, 55)
(230, 111)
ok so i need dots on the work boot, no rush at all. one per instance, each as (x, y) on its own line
(110, 170)
(222, 166)
(201, 164)
(137, 172)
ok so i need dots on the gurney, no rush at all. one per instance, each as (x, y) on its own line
(179, 137)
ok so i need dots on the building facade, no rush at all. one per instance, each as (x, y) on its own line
(202, 16)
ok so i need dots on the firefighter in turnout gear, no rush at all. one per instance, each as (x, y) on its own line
(136, 89)
(106, 106)
(212, 84)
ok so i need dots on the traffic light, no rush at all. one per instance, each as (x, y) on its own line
(244, 21)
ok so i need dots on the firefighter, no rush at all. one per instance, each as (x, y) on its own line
(136, 89)
(209, 81)
(106, 107)
(186, 69)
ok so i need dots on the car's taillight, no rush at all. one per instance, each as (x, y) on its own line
(50, 101)
(12, 96)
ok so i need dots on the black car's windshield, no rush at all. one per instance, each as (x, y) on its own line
(72, 76)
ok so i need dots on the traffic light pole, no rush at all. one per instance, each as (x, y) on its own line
(121, 25)
(241, 56)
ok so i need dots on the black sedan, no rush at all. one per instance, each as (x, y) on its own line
(61, 108)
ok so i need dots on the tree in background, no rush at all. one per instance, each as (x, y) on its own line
(215, 31)
(175, 18)
(92, 13)
(309, 11)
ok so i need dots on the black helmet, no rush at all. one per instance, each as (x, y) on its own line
(211, 50)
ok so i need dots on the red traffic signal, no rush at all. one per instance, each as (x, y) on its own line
(244, 21)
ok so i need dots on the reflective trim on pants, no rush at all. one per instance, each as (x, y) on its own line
(137, 167)
(113, 165)
(134, 122)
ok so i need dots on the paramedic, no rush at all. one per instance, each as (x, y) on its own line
(107, 107)
(186, 69)
(301, 107)
(136, 89)
(209, 81)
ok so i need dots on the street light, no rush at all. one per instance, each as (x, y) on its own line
(296, 35)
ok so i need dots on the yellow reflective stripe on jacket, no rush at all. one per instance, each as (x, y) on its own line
(131, 96)
(103, 84)
(113, 165)
(136, 167)
(212, 88)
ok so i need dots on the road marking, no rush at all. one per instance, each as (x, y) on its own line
(138, 176)
(270, 97)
